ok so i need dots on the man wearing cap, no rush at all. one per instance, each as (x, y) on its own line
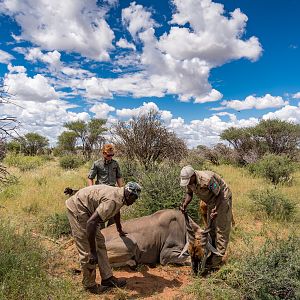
(214, 191)
(106, 170)
(86, 210)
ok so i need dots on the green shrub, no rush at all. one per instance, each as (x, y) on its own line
(161, 190)
(271, 274)
(46, 157)
(273, 203)
(70, 162)
(277, 169)
(22, 269)
(57, 225)
(24, 163)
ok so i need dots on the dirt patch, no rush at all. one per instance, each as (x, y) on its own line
(160, 282)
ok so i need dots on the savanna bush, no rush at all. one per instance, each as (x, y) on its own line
(195, 158)
(22, 269)
(272, 273)
(273, 204)
(161, 190)
(70, 162)
(275, 168)
(24, 163)
(57, 225)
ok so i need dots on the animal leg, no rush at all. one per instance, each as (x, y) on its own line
(121, 251)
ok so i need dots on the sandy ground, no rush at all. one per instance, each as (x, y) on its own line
(160, 282)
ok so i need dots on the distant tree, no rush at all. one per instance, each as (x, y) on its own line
(88, 134)
(67, 141)
(147, 139)
(218, 154)
(33, 143)
(269, 136)
(95, 139)
(14, 146)
(280, 137)
(80, 129)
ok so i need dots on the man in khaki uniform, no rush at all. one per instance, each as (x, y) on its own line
(86, 210)
(214, 191)
(106, 170)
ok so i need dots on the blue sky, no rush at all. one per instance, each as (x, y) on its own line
(205, 65)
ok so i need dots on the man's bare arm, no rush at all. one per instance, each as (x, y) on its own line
(120, 182)
(117, 218)
(186, 201)
(91, 228)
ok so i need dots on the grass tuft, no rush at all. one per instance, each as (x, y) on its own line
(22, 273)
(57, 225)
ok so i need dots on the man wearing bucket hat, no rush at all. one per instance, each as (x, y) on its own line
(213, 190)
(86, 210)
(106, 170)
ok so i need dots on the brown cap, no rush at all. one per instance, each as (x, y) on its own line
(108, 148)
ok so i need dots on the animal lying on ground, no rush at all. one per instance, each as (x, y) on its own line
(156, 239)
(163, 237)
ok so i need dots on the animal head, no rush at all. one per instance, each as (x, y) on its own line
(195, 249)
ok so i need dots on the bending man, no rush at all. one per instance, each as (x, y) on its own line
(86, 210)
(213, 190)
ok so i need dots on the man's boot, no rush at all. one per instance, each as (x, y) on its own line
(113, 282)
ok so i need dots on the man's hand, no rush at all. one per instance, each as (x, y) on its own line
(121, 232)
(213, 213)
(182, 208)
(93, 260)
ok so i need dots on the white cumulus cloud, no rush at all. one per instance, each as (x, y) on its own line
(127, 113)
(69, 25)
(252, 102)
(24, 88)
(296, 95)
(288, 113)
(122, 43)
(101, 110)
(45, 118)
(179, 62)
(5, 57)
(137, 19)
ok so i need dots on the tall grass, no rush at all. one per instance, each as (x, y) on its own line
(24, 163)
(272, 203)
(22, 269)
(38, 195)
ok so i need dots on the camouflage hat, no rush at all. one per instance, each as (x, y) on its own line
(133, 188)
(186, 173)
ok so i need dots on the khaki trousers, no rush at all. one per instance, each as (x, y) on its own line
(221, 226)
(78, 226)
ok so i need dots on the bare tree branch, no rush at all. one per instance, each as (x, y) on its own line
(8, 126)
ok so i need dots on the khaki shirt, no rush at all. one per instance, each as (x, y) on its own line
(208, 187)
(104, 199)
(107, 172)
